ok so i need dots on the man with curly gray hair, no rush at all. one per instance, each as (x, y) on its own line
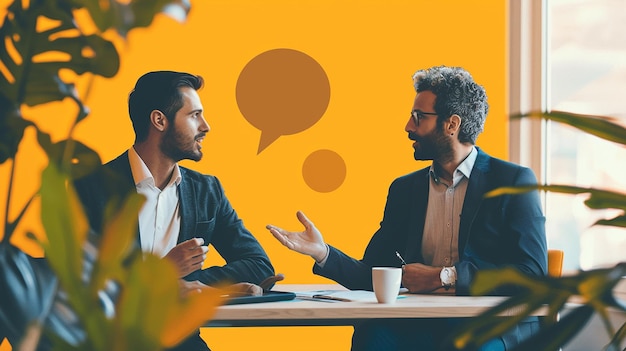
(438, 220)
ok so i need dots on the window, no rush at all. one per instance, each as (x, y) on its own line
(586, 65)
(573, 52)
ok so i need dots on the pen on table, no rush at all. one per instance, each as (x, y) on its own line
(334, 298)
(401, 259)
(323, 298)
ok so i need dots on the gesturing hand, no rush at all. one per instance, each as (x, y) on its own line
(188, 256)
(308, 242)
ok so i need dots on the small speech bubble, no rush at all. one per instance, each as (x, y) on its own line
(324, 171)
(282, 92)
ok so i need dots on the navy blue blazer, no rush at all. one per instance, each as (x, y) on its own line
(205, 213)
(507, 230)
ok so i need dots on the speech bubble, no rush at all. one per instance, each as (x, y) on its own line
(324, 170)
(282, 92)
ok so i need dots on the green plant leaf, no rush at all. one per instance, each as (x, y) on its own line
(619, 221)
(27, 288)
(34, 56)
(152, 313)
(616, 340)
(600, 126)
(101, 59)
(115, 247)
(12, 127)
(555, 336)
(600, 195)
(189, 314)
(150, 290)
(66, 228)
(78, 157)
(477, 331)
(59, 344)
(124, 16)
(10, 226)
(38, 39)
(118, 241)
(65, 224)
(597, 199)
(592, 288)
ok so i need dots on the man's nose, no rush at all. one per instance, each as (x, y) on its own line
(204, 126)
(410, 125)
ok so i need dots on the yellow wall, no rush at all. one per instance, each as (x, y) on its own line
(368, 50)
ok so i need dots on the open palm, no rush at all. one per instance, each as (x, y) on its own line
(309, 242)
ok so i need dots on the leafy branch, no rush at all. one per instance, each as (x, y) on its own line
(591, 290)
(586, 293)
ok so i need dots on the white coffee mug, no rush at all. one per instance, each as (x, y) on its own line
(386, 281)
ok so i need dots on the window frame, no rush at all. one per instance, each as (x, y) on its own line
(528, 86)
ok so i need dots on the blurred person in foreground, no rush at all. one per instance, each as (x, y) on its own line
(438, 220)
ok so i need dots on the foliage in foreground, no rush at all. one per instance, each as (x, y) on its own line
(39, 39)
(592, 290)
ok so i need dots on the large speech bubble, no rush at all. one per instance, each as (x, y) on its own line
(282, 92)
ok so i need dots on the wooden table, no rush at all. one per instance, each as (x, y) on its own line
(315, 313)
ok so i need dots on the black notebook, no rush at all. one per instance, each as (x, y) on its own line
(268, 296)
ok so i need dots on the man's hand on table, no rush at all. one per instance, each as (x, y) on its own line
(420, 278)
(239, 289)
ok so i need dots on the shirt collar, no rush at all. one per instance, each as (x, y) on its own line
(466, 166)
(463, 170)
(141, 173)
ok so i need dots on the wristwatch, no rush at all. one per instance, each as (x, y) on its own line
(448, 277)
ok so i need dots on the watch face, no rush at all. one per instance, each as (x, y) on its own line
(445, 276)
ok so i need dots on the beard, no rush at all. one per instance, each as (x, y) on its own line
(433, 146)
(178, 146)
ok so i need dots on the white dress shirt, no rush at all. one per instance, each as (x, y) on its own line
(159, 217)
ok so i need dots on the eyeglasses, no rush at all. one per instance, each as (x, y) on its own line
(419, 115)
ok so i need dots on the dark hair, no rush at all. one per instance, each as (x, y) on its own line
(158, 90)
(456, 93)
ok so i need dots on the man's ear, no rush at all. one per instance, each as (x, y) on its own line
(453, 124)
(158, 120)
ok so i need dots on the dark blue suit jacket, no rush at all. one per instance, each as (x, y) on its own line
(205, 213)
(502, 231)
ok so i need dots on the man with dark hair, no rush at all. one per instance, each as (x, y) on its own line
(185, 211)
(438, 220)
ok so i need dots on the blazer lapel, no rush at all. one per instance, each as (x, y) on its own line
(186, 199)
(476, 188)
(417, 213)
(121, 165)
